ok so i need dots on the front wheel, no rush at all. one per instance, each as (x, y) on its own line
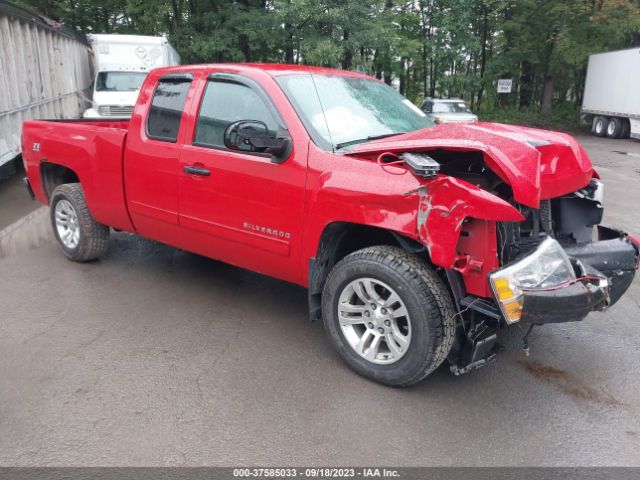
(81, 238)
(389, 315)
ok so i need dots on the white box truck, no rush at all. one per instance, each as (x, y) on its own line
(612, 93)
(121, 63)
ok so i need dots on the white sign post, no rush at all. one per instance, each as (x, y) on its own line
(504, 85)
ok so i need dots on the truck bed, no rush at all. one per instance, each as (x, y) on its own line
(93, 149)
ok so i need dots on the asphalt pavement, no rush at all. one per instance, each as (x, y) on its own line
(154, 356)
(14, 201)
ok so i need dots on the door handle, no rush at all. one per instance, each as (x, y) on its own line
(190, 169)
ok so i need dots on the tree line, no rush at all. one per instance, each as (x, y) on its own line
(448, 48)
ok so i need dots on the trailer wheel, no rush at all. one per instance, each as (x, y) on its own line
(614, 128)
(81, 238)
(389, 315)
(626, 128)
(600, 126)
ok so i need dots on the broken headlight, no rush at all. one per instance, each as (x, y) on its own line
(548, 266)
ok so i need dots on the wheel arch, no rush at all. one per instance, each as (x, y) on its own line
(339, 239)
(53, 175)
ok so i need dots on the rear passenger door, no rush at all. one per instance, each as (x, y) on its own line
(151, 165)
(244, 208)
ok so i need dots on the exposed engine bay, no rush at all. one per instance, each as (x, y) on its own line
(570, 219)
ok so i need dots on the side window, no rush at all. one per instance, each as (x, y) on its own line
(226, 102)
(166, 109)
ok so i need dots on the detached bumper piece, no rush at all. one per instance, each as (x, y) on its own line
(586, 277)
(614, 255)
(567, 304)
(604, 271)
(473, 349)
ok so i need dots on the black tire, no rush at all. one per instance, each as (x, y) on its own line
(614, 128)
(600, 126)
(94, 237)
(426, 298)
(626, 128)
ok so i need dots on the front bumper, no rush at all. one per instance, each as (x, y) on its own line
(606, 268)
(604, 271)
(567, 304)
(92, 113)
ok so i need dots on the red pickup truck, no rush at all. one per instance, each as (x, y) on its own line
(416, 241)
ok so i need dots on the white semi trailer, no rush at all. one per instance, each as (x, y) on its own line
(612, 93)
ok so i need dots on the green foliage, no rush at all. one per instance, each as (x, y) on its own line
(448, 48)
(563, 118)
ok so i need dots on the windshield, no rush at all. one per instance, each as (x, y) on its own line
(350, 110)
(119, 81)
(450, 107)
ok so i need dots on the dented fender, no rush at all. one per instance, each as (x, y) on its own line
(445, 202)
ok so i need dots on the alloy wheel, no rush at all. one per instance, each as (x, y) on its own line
(67, 224)
(374, 320)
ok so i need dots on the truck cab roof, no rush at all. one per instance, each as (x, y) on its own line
(272, 69)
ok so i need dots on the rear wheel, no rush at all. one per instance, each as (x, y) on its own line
(388, 314)
(614, 128)
(626, 128)
(600, 126)
(79, 235)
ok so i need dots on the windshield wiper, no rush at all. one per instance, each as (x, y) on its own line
(362, 140)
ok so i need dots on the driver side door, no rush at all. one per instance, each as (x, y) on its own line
(244, 208)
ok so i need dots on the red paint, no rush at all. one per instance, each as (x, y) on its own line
(477, 255)
(445, 204)
(93, 151)
(269, 217)
(538, 164)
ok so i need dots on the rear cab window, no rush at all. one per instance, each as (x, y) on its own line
(167, 106)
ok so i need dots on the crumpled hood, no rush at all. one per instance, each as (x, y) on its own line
(537, 164)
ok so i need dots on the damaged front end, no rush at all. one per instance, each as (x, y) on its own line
(512, 217)
(557, 265)
(560, 263)
(516, 264)
(557, 284)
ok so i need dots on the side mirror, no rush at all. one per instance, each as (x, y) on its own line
(253, 136)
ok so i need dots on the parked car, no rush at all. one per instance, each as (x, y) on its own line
(611, 94)
(122, 63)
(416, 241)
(448, 110)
